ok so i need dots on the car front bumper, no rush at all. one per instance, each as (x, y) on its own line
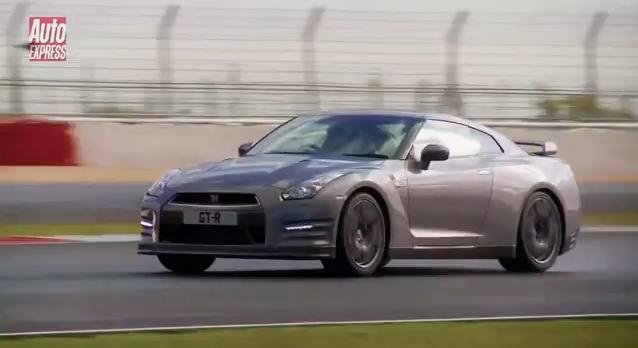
(235, 251)
(296, 229)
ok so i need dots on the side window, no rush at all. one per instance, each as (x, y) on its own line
(489, 146)
(461, 140)
(456, 137)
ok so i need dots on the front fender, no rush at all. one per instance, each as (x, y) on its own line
(389, 187)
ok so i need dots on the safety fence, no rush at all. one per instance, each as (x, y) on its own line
(145, 60)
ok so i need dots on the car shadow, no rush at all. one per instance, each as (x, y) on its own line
(285, 274)
(321, 274)
(386, 272)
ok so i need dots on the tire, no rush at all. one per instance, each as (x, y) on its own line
(186, 264)
(539, 236)
(361, 238)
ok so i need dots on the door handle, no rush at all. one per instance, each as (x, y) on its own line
(483, 172)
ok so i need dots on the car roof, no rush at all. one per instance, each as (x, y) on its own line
(397, 113)
(386, 113)
(507, 145)
(375, 112)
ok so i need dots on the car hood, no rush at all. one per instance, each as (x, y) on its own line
(276, 170)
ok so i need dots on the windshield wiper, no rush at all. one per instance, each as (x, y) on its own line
(289, 153)
(373, 155)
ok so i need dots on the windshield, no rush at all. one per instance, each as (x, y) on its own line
(347, 135)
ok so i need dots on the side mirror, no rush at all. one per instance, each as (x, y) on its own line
(243, 149)
(433, 152)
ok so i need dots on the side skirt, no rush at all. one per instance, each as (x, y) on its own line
(455, 252)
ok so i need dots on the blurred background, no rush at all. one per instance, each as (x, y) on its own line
(153, 85)
(568, 60)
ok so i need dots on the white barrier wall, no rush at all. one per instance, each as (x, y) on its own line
(593, 153)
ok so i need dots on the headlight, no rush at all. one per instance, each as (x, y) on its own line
(158, 187)
(310, 188)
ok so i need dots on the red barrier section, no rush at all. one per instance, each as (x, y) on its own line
(37, 142)
(12, 240)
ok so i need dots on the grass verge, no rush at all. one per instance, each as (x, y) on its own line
(625, 219)
(587, 333)
(67, 229)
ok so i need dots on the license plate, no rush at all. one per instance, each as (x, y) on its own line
(210, 217)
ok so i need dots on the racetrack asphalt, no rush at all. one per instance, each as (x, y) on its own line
(119, 202)
(108, 286)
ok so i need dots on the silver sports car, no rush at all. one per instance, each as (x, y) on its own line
(356, 190)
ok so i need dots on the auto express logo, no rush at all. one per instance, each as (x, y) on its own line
(47, 39)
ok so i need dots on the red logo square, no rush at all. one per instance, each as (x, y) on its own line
(47, 39)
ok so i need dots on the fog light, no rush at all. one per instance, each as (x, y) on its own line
(299, 227)
(148, 220)
(308, 225)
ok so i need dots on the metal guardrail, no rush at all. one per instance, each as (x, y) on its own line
(153, 60)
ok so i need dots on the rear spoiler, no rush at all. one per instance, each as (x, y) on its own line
(548, 148)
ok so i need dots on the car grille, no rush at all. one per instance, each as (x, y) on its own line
(214, 198)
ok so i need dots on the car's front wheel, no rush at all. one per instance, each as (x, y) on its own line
(361, 238)
(539, 236)
(186, 264)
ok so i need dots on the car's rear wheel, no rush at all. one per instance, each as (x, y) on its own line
(539, 236)
(361, 239)
(186, 264)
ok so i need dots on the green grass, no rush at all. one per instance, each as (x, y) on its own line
(627, 219)
(63, 229)
(519, 334)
